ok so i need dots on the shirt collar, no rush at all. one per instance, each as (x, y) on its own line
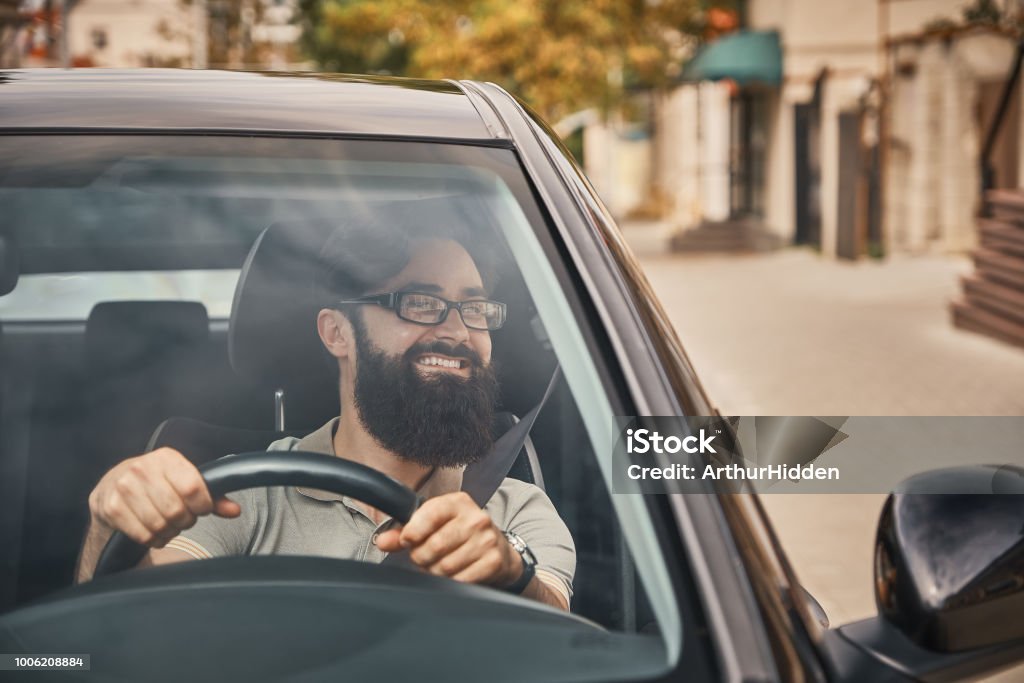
(442, 480)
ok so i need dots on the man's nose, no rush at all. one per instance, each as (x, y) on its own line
(452, 328)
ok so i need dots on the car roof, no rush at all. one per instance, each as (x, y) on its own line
(234, 100)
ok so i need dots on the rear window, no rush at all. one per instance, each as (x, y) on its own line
(166, 217)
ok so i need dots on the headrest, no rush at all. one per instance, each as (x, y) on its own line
(9, 263)
(272, 336)
(123, 334)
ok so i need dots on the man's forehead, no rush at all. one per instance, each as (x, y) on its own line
(439, 267)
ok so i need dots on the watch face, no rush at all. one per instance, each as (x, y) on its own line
(520, 547)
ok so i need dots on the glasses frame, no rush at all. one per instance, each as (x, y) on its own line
(393, 301)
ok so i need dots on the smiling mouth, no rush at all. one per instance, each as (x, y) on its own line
(444, 362)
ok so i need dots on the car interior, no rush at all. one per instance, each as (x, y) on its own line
(156, 366)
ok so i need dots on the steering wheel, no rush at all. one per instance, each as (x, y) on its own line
(280, 468)
(283, 616)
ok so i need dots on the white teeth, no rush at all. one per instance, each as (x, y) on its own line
(443, 362)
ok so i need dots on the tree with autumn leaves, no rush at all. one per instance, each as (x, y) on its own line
(558, 55)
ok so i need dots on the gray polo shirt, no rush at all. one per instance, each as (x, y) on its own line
(300, 521)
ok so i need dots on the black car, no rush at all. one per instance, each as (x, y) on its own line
(153, 294)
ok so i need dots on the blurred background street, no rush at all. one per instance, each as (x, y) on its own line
(790, 333)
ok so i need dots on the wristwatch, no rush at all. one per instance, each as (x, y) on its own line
(529, 563)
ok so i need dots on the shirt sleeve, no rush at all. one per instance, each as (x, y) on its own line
(529, 513)
(214, 536)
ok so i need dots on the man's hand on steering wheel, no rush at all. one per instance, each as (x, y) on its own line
(450, 535)
(153, 497)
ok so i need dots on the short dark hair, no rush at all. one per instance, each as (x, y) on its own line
(370, 247)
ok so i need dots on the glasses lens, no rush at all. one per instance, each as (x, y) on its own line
(430, 310)
(483, 315)
(422, 308)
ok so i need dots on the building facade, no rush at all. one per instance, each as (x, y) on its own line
(867, 144)
(235, 34)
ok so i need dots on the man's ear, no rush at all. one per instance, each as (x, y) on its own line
(335, 332)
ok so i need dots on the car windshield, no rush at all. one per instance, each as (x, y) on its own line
(130, 248)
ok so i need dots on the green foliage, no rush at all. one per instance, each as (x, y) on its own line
(982, 12)
(228, 42)
(352, 37)
(559, 55)
(574, 143)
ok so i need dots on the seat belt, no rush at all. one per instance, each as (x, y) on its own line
(483, 478)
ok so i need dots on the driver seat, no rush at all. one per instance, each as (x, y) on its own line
(272, 340)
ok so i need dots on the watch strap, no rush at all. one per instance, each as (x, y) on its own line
(528, 560)
(520, 584)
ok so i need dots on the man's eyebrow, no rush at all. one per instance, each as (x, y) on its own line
(436, 289)
(420, 287)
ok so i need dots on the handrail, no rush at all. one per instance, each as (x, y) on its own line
(987, 172)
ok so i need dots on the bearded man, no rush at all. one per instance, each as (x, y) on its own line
(407, 322)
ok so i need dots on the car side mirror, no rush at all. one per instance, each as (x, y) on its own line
(949, 558)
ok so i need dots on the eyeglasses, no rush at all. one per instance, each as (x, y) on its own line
(427, 309)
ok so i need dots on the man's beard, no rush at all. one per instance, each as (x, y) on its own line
(440, 420)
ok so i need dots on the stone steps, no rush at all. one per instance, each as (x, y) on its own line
(999, 266)
(732, 236)
(993, 297)
(968, 317)
(1001, 236)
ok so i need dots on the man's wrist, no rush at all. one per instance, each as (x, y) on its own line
(96, 537)
(527, 564)
(97, 527)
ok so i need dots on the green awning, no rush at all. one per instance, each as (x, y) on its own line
(746, 57)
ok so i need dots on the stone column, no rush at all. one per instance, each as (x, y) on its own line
(922, 188)
(714, 151)
(958, 150)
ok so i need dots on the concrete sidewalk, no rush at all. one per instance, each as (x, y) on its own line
(791, 333)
